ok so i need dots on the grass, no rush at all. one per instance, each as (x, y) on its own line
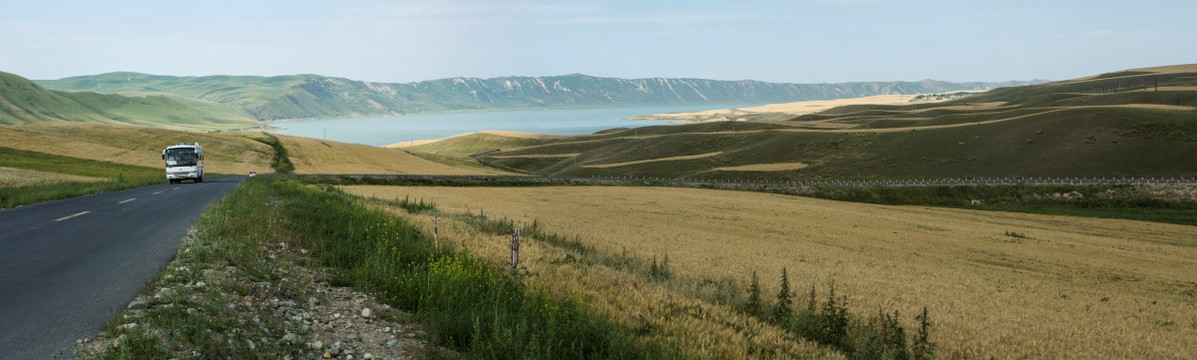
(987, 294)
(225, 152)
(118, 177)
(703, 326)
(281, 161)
(23, 195)
(467, 303)
(869, 338)
(1174, 204)
(317, 156)
(1104, 127)
(462, 301)
(474, 143)
(1142, 202)
(39, 161)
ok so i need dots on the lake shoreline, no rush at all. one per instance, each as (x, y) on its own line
(403, 129)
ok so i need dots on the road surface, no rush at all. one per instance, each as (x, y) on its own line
(67, 266)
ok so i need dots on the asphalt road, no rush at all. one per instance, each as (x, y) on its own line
(67, 266)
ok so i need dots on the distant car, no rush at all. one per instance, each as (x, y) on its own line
(253, 173)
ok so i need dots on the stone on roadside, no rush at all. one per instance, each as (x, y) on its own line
(392, 343)
(139, 304)
(291, 338)
(367, 313)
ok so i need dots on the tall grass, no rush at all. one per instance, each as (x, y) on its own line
(464, 302)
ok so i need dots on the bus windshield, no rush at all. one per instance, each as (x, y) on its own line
(180, 157)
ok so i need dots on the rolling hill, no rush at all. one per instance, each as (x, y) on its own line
(23, 101)
(1132, 123)
(314, 96)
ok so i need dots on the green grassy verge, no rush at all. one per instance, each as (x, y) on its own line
(31, 160)
(121, 176)
(463, 302)
(22, 195)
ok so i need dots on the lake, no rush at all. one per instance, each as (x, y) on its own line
(379, 131)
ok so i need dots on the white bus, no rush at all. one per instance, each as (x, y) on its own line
(184, 161)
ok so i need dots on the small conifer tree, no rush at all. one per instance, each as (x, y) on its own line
(785, 301)
(922, 347)
(754, 306)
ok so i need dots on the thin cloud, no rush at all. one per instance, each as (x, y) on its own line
(1099, 33)
(662, 19)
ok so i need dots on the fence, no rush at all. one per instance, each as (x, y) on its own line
(515, 180)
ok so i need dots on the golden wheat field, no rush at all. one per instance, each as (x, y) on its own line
(1005, 285)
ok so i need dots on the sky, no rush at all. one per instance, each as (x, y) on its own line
(797, 41)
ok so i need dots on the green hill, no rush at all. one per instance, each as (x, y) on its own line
(1140, 123)
(23, 101)
(313, 96)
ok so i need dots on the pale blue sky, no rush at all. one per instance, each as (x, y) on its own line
(802, 41)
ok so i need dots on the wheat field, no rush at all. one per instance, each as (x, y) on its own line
(1006, 285)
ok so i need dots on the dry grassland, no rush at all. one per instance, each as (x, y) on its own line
(793, 108)
(23, 177)
(510, 134)
(535, 156)
(997, 284)
(133, 145)
(764, 167)
(671, 158)
(314, 156)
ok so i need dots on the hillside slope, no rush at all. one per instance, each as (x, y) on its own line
(1133, 123)
(313, 96)
(23, 101)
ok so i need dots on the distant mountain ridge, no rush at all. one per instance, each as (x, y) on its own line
(22, 101)
(315, 96)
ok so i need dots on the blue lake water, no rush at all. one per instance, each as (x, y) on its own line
(378, 131)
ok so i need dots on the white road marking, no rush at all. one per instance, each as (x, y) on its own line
(81, 213)
(127, 200)
(175, 188)
(157, 192)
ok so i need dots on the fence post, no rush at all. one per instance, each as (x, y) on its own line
(515, 252)
(435, 237)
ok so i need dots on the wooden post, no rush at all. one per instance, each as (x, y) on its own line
(515, 252)
(435, 237)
